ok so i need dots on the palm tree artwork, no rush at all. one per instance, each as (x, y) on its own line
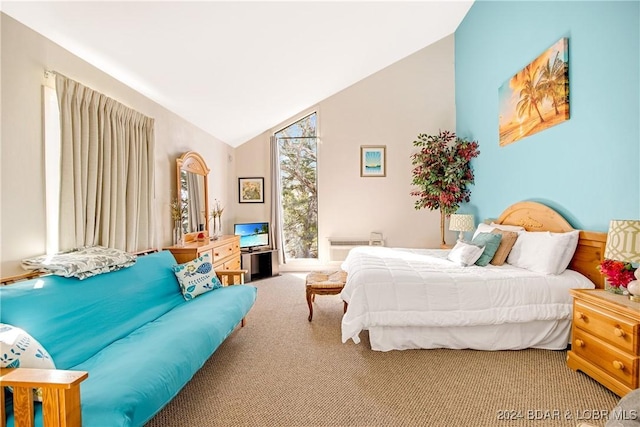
(536, 97)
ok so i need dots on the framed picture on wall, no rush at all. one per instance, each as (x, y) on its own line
(251, 190)
(373, 160)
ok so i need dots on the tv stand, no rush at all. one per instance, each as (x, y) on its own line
(260, 264)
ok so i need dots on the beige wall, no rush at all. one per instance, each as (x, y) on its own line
(25, 56)
(388, 108)
(415, 95)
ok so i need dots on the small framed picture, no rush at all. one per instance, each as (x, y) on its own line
(373, 160)
(251, 190)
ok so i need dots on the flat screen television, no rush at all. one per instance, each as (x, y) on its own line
(253, 235)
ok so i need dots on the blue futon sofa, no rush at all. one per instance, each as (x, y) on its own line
(131, 330)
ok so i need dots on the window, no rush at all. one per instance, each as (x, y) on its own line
(100, 170)
(297, 145)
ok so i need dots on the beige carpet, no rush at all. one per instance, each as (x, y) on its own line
(281, 370)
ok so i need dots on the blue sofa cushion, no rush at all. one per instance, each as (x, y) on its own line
(75, 319)
(133, 378)
(197, 277)
(130, 380)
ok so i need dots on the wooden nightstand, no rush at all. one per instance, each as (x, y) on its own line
(606, 339)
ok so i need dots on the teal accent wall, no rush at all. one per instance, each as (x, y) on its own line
(587, 168)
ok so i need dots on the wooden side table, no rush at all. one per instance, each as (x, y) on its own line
(606, 339)
(324, 283)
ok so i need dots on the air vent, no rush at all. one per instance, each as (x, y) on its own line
(339, 247)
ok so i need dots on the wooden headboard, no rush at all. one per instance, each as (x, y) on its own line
(535, 216)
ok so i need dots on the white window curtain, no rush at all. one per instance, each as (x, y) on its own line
(107, 171)
(276, 202)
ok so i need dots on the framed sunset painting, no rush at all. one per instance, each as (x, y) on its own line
(373, 160)
(537, 97)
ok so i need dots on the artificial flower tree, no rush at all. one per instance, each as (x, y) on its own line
(442, 172)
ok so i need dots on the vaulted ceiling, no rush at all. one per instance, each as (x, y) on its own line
(238, 68)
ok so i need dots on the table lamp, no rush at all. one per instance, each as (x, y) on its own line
(623, 244)
(461, 223)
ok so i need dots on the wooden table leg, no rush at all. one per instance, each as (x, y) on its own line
(309, 294)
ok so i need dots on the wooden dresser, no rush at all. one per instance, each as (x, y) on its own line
(605, 341)
(225, 252)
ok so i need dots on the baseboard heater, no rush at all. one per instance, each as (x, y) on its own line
(339, 247)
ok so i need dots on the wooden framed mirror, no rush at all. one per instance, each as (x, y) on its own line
(193, 192)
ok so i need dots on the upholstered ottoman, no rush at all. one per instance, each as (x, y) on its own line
(324, 283)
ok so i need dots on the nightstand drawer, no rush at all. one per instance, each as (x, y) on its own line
(617, 330)
(616, 363)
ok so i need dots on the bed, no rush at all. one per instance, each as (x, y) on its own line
(417, 298)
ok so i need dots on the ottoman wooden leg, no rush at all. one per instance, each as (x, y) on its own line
(309, 296)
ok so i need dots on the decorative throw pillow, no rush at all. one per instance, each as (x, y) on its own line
(18, 349)
(81, 262)
(543, 251)
(490, 242)
(464, 253)
(196, 277)
(506, 243)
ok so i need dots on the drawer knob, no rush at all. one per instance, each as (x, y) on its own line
(618, 332)
(618, 365)
(579, 343)
(580, 315)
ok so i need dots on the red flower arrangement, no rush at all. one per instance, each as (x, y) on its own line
(618, 273)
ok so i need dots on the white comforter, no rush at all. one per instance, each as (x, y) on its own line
(420, 287)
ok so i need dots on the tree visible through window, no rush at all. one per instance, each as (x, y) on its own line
(297, 144)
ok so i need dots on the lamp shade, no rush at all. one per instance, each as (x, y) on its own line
(623, 241)
(461, 222)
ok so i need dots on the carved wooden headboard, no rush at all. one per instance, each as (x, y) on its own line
(535, 216)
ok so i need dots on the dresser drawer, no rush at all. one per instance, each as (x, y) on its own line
(616, 363)
(206, 251)
(223, 251)
(234, 264)
(617, 330)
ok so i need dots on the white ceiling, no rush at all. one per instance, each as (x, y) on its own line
(238, 68)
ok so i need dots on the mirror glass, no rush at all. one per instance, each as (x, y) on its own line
(192, 194)
(193, 190)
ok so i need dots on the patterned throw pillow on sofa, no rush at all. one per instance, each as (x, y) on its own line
(18, 349)
(196, 277)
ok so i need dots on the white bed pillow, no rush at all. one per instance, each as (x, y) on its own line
(488, 228)
(507, 227)
(543, 251)
(465, 254)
